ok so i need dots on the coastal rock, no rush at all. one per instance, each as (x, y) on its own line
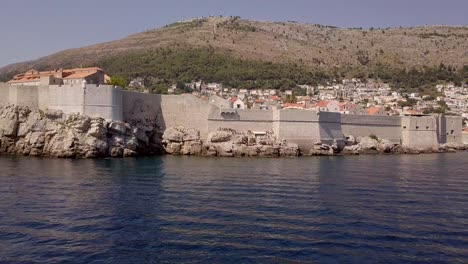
(118, 127)
(385, 146)
(351, 150)
(192, 148)
(9, 120)
(452, 147)
(320, 149)
(225, 142)
(52, 133)
(350, 140)
(191, 135)
(289, 150)
(180, 140)
(367, 143)
(221, 135)
(173, 134)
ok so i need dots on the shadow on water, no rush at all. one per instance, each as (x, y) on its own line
(364, 209)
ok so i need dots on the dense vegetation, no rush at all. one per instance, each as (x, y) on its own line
(420, 80)
(166, 66)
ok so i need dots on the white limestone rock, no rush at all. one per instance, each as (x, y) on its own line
(191, 135)
(173, 134)
(54, 134)
(221, 135)
(289, 150)
(385, 146)
(9, 121)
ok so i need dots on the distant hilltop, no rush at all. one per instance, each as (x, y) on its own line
(222, 48)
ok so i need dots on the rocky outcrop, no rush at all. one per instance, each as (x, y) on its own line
(373, 145)
(451, 147)
(226, 143)
(370, 145)
(52, 133)
(321, 149)
(182, 141)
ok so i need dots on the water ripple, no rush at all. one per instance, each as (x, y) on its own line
(373, 209)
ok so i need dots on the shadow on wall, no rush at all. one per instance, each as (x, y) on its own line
(143, 109)
(330, 128)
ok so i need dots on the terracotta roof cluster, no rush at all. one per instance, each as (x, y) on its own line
(322, 104)
(347, 106)
(292, 105)
(373, 110)
(34, 76)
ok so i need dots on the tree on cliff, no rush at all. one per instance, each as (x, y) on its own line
(118, 81)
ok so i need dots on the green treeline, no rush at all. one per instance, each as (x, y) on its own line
(167, 66)
(163, 67)
(420, 80)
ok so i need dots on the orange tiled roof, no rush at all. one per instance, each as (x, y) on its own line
(322, 104)
(34, 75)
(373, 110)
(79, 75)
(352, 106)
(292, 105)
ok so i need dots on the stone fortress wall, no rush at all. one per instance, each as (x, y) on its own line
(303, 127)
(388, 127)
(93, 100)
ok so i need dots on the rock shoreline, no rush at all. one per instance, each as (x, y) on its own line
(53, 134)
(230, 143)
(226, 142)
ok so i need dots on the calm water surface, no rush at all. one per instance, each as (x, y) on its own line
(367, 209)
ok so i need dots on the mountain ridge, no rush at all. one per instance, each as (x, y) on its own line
(350, 51)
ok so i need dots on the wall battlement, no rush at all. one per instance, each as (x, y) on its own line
(303, 127)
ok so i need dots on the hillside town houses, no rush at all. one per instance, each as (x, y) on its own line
(351, 96)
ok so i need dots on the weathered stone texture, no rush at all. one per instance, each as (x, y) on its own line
(225, 142)
(52, 133)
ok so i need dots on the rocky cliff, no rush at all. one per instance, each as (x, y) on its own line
(225, 142)
(52, 133)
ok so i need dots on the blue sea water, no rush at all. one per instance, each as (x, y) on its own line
(167, 209)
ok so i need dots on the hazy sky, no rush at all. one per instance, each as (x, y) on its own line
(33, 28)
